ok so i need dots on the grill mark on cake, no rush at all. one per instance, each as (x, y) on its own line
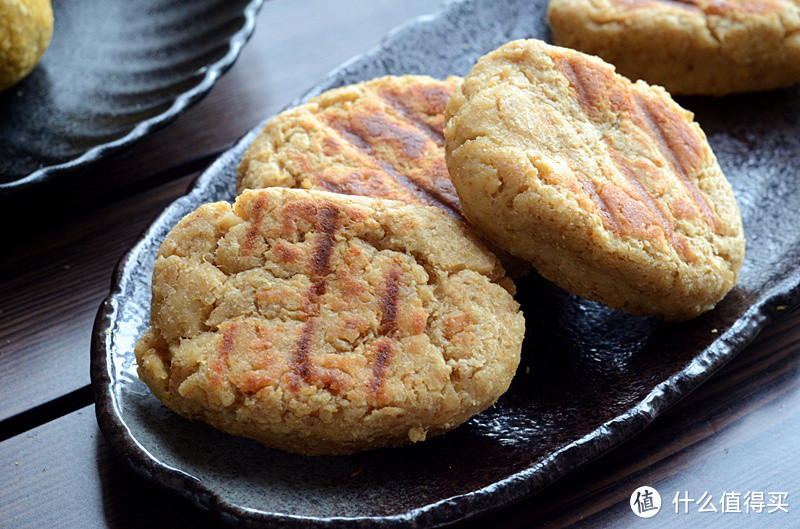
(606, 212)
(439, 176)
(712, 7)
(590, 84)
(388, 301)
(419, 189)
(301, 364)
(368, 182)
(723, 7)
(328, 224)
(591, 87)
(680, 146)
(225, 350)
(402, 110)
(380, 361)
(686, 4)
(256, 219)
(367, 127)
(653, 210)
(426, 194)
(598, 89)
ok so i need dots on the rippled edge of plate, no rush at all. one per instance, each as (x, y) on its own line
(496, 496)
(143, 128)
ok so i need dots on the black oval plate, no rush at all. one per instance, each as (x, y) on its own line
(590, 377)
(114, 72)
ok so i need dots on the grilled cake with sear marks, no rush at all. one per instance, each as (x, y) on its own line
(382, 138)
(320, 323)
(607, 187)
(713, 47)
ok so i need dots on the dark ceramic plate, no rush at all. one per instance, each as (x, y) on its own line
(596, 378)
(115, 71)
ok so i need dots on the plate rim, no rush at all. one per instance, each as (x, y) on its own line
(462, 507)
(146, 127)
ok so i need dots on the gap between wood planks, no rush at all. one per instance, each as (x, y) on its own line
(44, 413)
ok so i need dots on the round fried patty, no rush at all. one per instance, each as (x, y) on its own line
(607, 187)
(320, 323)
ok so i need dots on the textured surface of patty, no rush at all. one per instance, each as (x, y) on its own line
(382, 138)
(607, 187)
(711, 47)
(325, 324)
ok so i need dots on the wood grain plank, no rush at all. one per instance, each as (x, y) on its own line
(50, 288)
(80, 484)
(736, 432)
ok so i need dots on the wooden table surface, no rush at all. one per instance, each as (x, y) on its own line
(737, 434)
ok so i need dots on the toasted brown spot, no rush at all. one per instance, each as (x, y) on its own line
(333, 379)
(225, 350)
(256, 219)
(380, 361)
(679, 144)
(302, 162)
(301, 364)
(359, 182)
(419, 187)
(710, 7)
(352, 285)
(355, 325)
(432, 99)
(294, 212)
(254, 381)
(599, 89)
(688, 4)
(366, 130)
(724, 7)
(330, 146)
(388, 301)
(456, 324)
(329, 222)
(594, 86)
(285, 253)
(638, 211)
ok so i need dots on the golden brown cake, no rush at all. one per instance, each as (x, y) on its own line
(25, 30)
(714, 47)
(382, 138)
(321, 323)
(607, 187)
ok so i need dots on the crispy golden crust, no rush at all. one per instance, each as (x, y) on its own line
(709, 7)
(608, 188)
(324, 324)
(382, 138)
(713, 47)
(25, 30)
